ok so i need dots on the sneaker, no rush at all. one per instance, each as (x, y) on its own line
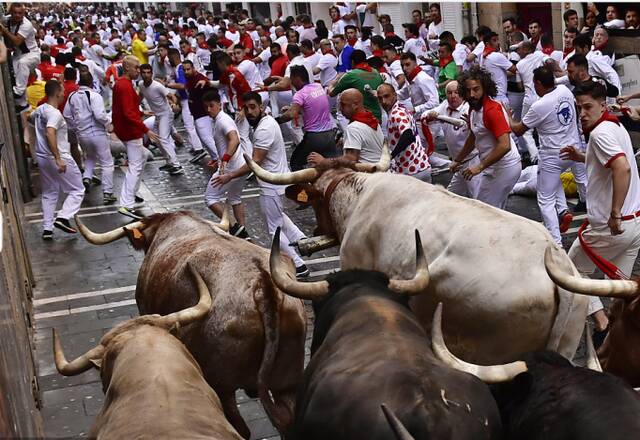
(47, 235)
(138, 199)
(580, 207)
(165, 167)
(234, 229)
(198, 156)
(87, 183)
(96, 181)
(176, 170)
(64, 225)
(565, 221)
(302, 271)
(132, 213)
(240, 231)
(108, 198)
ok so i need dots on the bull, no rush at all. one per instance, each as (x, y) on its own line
(153, 386)
(368, 348)
(485, 263)
(253, 337)
(543, 396)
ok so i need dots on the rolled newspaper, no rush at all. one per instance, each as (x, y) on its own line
(450, 120)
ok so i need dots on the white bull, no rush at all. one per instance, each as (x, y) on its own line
(487, 265)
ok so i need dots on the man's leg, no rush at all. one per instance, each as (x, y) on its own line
(133, 175)
(529, 141)
(22, 66)
(458, 185)
(204, 127)
(548, 186)
(299, 154)
(165, 125)
(71, 184)
(189, 126)
(103, 153)
(272, 209)
(579, 171)
(90, 156)
(50, 191)
(495, 185)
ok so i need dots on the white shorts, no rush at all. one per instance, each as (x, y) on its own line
(231, 191)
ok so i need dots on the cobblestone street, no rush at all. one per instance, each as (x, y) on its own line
(85, 290)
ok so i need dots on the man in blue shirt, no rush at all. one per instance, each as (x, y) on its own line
(344, 53)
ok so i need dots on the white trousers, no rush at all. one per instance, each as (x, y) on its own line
(273, 210)
(22, 65)
(231, 191)
(204, 128)
(133, 175)
(621, 250)
(527, 138)
(244, 132)
(53, 183)
(496, 184)
(97, 150)
(463, 187)
(164, 126)
(550, 193)
(189, 126)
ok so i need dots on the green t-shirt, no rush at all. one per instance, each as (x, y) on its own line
(356, 79)
(450, 71)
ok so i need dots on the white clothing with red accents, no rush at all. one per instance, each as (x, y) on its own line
(422, 91)
(497, 65)
(413, 159)
(416, 46)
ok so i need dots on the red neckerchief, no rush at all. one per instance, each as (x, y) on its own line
(606, 116)
(377, 53)
(566, 51)
(445, 60)
(352, 42)
(382, 69)
(414, 73)
(188, 51)
(337, 19)
(307, 26)
(419, 24)
(601, 46)
(363, 66)
(203, 45)
(80, 57)
(92, 42)
(397, 57)
(454, 43)
(232, 29)
(535, 40)
(365, 117)
(547, 50)
(488, 49)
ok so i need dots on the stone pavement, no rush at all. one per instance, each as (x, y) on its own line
(84, 290)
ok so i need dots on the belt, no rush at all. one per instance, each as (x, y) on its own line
(630, 216)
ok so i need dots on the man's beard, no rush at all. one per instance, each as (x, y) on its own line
(253, 121)
(475, 104)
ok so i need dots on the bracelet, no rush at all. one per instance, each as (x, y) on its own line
(226, 157)
(615, 218)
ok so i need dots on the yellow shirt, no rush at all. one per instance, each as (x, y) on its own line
(139, 50)
(35, 93)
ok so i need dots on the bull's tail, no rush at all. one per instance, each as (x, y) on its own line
(269, 313)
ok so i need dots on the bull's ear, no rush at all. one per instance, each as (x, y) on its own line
(299, 193)
(136, 236)
(97, 362)
(175, 330)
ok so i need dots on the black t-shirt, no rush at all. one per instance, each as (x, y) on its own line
(394, 41)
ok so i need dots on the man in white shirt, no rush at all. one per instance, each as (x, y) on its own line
(20, 37)
(227, 137)
(599, 65)
(394, 66)
(436, 27)
(497, 65)
(262, 59)
(455, 107)
(160, 101)
(327, 63)
(613, 191)
(247, 67)
(58, 171)
(413, 43)
(86, 117)
(268, 152)
(554, 117)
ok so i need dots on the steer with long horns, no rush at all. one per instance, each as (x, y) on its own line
(153, 386)
(544, 397)
(253, 337)
(369, 348)
(486, 264)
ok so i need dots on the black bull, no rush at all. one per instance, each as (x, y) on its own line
(369, 349)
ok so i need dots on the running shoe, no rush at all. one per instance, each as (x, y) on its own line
(302, 271)
(47, 235)
(87, 183)
(165, 167)
(138, 199)
(132, 213)
(96, 181)
(176, 170)
(64, 225)
(108, 198)
(198, 156)
(565, 221)
(580, 207)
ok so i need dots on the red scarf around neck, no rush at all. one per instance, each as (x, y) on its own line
(203, 45)
(445, 60)
(363, 66)
(566, 51)
(365, 117)
(488, 49)
(414, 73)
(547, 50)
(352, 42)
(337, 19)
(600, 46)
(377, 53)
(606, 116)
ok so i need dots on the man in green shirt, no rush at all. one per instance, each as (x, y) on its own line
(363, 78)
(448, 68)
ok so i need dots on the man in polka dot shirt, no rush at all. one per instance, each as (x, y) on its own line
(407, 153)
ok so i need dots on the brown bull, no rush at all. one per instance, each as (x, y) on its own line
(253, 337)
(153, 386)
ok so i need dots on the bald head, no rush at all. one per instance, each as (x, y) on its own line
(351, 101)
(131, 67)
(387, 96)
(453, 96)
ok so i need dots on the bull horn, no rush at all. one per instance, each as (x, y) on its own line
(593, 363)
(383, 163)
(396, 425)
(224, 221)
(76, 366)
(586, 286)
(286, 281)
(488, 374)
(301, 176)
(105, 237)
(420, 281)
(195, 313)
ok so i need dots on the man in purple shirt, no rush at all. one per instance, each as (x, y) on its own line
(310, 108)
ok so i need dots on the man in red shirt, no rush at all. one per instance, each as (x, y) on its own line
(233, 79)
(48, 70)
(128, 126)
